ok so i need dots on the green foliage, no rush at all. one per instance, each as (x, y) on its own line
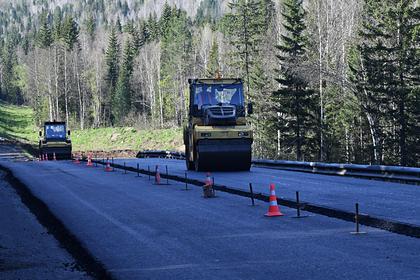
(111, 58)
(213, 66)
(244, 27)
(91, 26)
(209, 11)
(295, 102)
(385, 70)
(9, 88)
(44, 34)
(176, 45)
(122, 101)
(70, 33)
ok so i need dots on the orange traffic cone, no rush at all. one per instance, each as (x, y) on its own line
(208, 190)
(108, 166)
(54, 158)
(157, 176)
(273, 209)
(76, 160)
(89, 162)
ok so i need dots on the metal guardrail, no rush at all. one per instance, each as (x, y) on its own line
(160, 154)
(395, 173)
(389, 173)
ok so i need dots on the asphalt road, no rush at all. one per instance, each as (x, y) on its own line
(27, 250)
(381, 199)
(138, 230)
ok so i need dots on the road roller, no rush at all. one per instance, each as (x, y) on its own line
(217, 135)
(55, 140)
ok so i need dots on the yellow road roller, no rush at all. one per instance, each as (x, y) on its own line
(217, 136)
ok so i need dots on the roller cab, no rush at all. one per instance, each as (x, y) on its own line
(54, 139)
(217, 136)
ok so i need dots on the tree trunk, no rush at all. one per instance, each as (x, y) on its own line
(79, 90)
(66, 98)
(321, 90)
(50, 102)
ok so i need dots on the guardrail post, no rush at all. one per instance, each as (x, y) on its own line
(356, 220)
(186, 181)
(138, 170)
(252, 194)
(212, 181)
(298, 205)
(125, 170)
(167, 178)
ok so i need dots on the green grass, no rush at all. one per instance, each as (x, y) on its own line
(122, 138)
(17, 123)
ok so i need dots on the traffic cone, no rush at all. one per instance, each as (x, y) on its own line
(273, 209)
(46, 157)
(208, 190)
(54, 158)
(108, 166)
(76, 160)
(157, 176)
(89, 162)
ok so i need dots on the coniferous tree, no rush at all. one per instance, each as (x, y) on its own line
(118, 25)
(57, 23)
(385, 70)
(70, 33)
(44, 34)
(214, 65)
(294, 100)
(111, 59)
(244, 26)
(165, 19)
(123, 93)
(91, 26)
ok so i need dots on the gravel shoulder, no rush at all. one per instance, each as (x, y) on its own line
(27, 250)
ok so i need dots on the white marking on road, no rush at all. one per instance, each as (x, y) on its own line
(231, 265)
(110, 219)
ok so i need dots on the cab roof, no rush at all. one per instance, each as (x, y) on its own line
(221, 81)
(54, 123)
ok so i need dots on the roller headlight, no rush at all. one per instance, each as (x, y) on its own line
(243, 133)
(206, 134)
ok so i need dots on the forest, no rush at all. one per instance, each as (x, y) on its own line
(330, 80)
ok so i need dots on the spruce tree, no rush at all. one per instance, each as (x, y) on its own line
(70, 32)
(294, 100)
(385, 69)
(123, 93)
(111, 59)
(118, 25)
(213, 66)
(57, 23)
(91, 26)
(244, 27)
(165, 19)
(44, 34)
